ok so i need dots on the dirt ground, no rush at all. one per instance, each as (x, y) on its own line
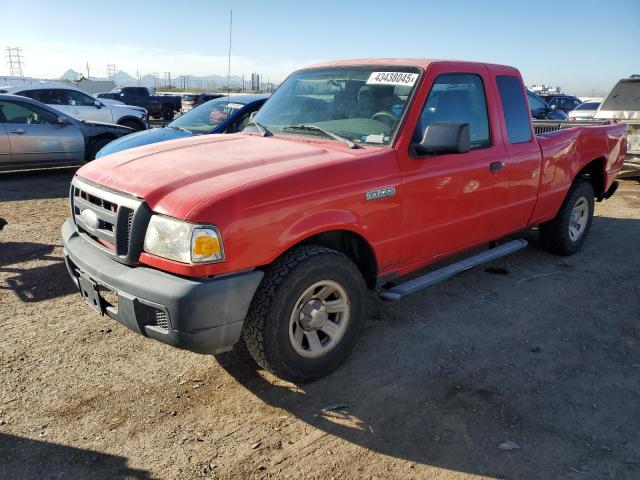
(542, 351)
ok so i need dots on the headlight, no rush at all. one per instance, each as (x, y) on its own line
(182, 241)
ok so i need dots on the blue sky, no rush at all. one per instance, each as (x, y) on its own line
(584, 46)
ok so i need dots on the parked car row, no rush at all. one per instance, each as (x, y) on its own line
(75, 103)
(192, 100)
(131, 106)
(222, 115)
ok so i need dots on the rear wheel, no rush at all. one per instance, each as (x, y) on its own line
(307, 314)
(566, 233)
(167, 112)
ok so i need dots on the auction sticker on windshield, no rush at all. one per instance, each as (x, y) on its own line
(392, 78)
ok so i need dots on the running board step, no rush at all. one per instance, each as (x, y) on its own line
(398, 291)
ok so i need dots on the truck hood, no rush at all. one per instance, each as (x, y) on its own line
(176, 176)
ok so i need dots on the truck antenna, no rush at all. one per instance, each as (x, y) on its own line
(229, 65)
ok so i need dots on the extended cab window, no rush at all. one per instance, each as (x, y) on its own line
(459, 98)
(514, 106)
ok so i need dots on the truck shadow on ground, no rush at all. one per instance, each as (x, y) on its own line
(544, 355)
(42, 184)
(23, 458)
(45, 280)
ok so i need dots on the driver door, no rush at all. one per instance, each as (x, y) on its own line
(454, 201)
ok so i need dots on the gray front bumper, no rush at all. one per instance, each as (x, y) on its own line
(205, 315)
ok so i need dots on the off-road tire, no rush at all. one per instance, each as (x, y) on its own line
(266, 328)
(554, 235)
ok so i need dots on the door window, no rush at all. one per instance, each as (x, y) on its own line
(25, 114)
(459, 98)
(78, 99)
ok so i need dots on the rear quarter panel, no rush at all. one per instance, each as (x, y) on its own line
(566, 152)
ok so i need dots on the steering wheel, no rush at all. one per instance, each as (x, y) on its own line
(385, 117)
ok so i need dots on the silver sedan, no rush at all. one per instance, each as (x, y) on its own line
(33, 135)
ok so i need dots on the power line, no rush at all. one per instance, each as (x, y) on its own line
(14, 59)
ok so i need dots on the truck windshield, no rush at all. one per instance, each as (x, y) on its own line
(361, 104)
(206, 117)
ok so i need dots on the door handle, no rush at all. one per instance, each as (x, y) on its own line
(18, 132)
(495, 166)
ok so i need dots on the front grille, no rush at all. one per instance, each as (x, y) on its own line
(112, 221)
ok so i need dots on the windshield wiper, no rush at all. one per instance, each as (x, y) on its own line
(264, 131)
(335, 136)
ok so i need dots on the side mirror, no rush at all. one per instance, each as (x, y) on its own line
(62, 121)
(444, 137)
(97, 104)
(252, 115)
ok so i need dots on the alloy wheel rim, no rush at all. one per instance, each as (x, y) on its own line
(319, 319)
(578, 219)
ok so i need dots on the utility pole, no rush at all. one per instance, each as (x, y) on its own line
(88, 72)
(111, 71)
(138, 75)
(14, 59)
(167, 79)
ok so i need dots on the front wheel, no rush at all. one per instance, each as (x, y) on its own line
(307, 314)
(566, 233)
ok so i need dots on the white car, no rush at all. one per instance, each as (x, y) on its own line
(75, 103)
(584, 111)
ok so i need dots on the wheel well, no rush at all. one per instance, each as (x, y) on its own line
(131, 120)
(353, 246)
(94, 140)
(594, 172)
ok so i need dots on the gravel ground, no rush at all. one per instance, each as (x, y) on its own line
(539, 351)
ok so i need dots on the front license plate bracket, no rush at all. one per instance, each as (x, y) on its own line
(89, 293)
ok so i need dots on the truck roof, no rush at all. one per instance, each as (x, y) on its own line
(406, 62)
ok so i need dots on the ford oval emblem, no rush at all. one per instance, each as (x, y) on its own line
(90, 218)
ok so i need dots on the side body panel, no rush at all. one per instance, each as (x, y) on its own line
(45, 143)
(566, 153)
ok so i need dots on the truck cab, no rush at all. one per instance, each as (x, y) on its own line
(353, 175)
(158, 106)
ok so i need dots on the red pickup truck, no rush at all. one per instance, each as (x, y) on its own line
(352, 175)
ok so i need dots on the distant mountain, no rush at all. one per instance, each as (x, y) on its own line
(70, 75)
(124, 79)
